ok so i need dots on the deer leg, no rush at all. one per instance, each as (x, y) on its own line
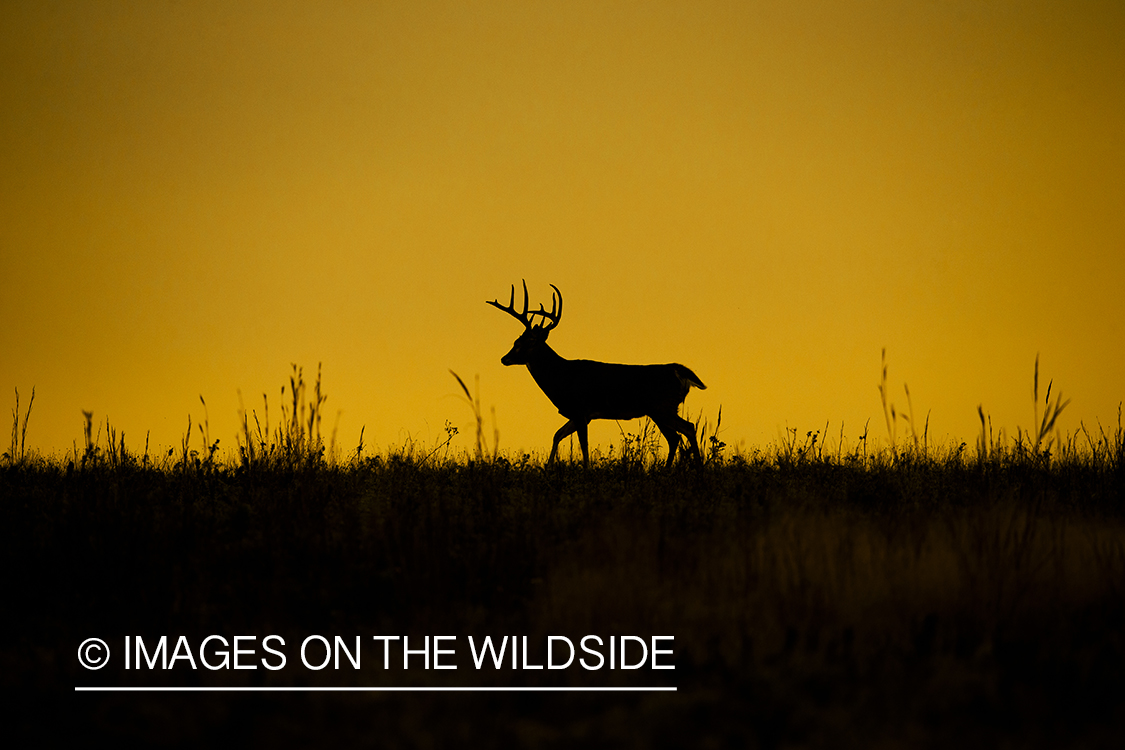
(672, 425)
(671, 434)
(567, 429)
(582, 441)
(688, 429)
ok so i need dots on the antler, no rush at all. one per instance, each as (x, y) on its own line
(551, 316)
(511, 308)
(525, 317)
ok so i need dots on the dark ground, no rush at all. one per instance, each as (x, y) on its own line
(813, 603)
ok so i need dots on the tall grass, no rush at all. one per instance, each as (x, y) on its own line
(915, 595)
(17, 451)
(920, 441)
(1034, 446)
(296, 443)
(481, 450)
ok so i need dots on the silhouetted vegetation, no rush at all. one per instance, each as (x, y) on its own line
(835, 597)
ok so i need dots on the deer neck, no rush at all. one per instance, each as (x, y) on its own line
(544, 367)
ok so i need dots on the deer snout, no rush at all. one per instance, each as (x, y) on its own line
(515, 356)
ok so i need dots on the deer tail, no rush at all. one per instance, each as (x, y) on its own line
(688, 378)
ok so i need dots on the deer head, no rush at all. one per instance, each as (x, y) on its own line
(534, 337)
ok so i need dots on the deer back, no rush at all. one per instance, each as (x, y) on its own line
(583, 389)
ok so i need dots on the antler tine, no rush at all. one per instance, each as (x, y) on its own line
(511, 308)
(556, 311)
(558, 317)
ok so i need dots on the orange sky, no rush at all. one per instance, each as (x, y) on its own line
(193, 196)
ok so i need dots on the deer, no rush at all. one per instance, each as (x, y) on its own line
(583, 390)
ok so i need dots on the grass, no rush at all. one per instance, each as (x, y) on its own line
(16, 453)
(916, 596)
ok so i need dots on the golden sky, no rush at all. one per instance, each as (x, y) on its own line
(195, 195)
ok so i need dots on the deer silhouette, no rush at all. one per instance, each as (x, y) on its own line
(583, 390)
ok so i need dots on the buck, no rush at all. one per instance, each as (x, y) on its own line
(583, 390)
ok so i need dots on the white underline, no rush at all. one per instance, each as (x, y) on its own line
(374, 689)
